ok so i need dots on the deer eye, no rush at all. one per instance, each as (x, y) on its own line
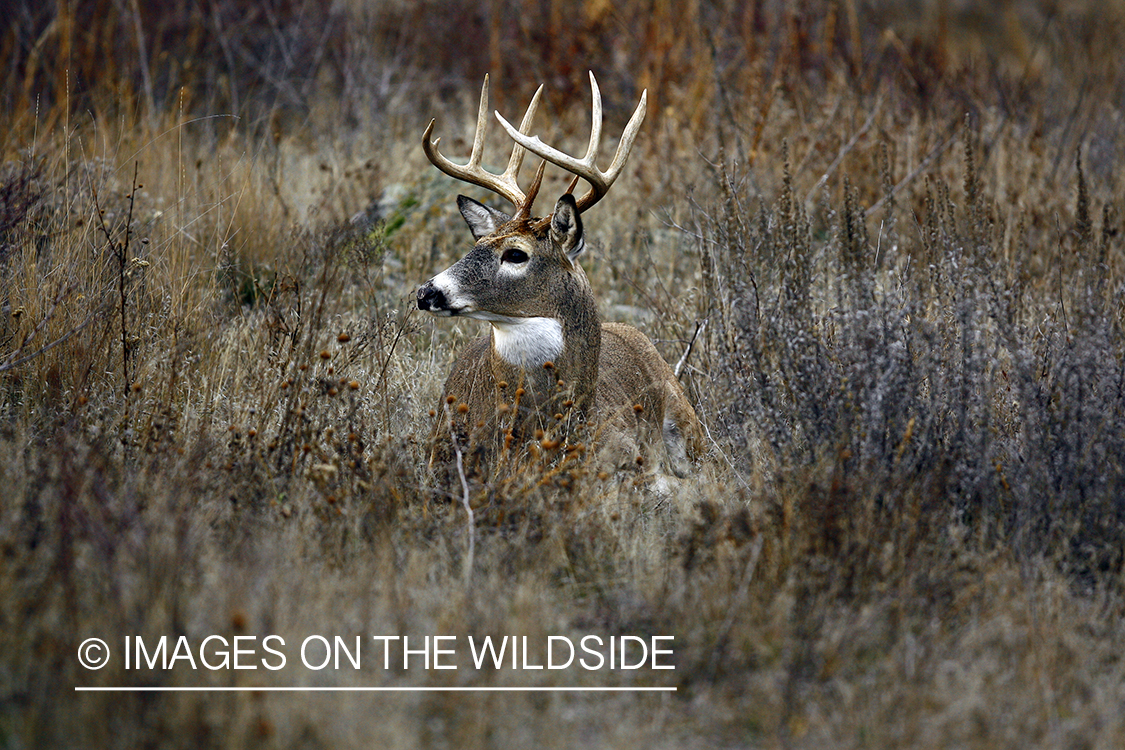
(513, 255)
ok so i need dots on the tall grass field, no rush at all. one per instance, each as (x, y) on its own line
(884, 239)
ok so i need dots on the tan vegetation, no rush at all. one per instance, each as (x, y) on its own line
(903, 230)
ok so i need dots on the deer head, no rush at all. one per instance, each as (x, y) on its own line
(522, 275)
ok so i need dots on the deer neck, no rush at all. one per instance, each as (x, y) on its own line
(537, 353)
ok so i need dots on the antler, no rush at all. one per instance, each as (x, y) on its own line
(503, 184)
(600, 182)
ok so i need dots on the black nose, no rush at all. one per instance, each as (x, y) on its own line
(431, 298)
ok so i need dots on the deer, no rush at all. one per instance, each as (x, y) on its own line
(547, 365)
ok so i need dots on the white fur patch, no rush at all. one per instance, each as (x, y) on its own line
(528, 342)
(578, 249)
(447, 285)
(513, 270)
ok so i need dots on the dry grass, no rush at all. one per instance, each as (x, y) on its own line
(902, 231)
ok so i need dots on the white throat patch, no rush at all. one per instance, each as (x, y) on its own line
(528, 342)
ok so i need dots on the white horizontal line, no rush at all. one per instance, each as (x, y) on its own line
(291, 689)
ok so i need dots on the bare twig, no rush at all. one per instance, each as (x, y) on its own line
(845, 150)
(471, 521)
(13, 362)
(934, 153)
(699, 325)
(120, 252)
(399, 331)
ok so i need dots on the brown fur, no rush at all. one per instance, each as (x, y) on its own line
(610, 390)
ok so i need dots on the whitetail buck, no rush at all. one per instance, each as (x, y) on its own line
(547, 368)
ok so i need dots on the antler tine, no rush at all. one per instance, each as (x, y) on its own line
(625, 146)
(585, 168)
(482, 124)
(596, 122)
(523, 211)
(515, 161)
(505, 184)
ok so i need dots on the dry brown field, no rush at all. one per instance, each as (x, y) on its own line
(893, 230)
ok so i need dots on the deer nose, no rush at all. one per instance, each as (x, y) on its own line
(431, 298)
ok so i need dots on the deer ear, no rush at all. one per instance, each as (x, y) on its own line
(481, 219)
(566, 228)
